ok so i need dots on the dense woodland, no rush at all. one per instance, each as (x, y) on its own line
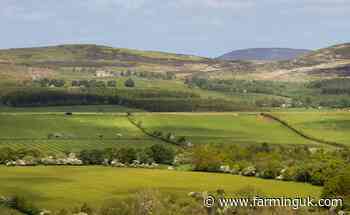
(150, 100)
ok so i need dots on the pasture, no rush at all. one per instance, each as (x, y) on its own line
(233, 128)
(57, 132)
(331, 126)
(74, 186)
(54, 132)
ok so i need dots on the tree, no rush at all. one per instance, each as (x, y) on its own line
(170, 76)
(339, 187)
(126, 155)
(162, 154)
(100, 84)
(112, 83)
(57, 83)
(91, 157)
(145, 156)
(6, 154)
(207, 158)
(129, 83)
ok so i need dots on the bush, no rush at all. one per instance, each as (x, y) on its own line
(339, 187)
(112, 83)
(270, 169)
(126, 155)
(91, 157)
(145, 156)
(23, 206)
(207, 158)
(162, 154)
(129, 83)
(7, 154)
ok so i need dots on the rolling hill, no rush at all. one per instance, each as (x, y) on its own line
(327, 55)
(258, 64)
(325, 63)
(264, 54)
(68, 54)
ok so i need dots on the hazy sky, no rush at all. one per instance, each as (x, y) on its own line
(200, 27)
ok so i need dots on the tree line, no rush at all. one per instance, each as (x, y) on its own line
(150, 100)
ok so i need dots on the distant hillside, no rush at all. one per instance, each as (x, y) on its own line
(78, 54)
(264, 54)
(327, 55)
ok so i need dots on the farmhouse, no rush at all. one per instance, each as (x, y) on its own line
(103, 74)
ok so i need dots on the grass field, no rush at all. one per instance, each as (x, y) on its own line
(331, 126)
(92, 130)
(221, 128)
(83, 131)
(94, 185)
(8, 211)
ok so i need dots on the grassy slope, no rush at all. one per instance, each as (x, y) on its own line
(79, 131)
(221, 128)
(85, 52)
(82, 131)
(329, 54)
(331, 126)
(94, 185)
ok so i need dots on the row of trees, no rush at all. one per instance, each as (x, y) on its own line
(150, 100)
(49, 82)
(332, 86)
(82, 83)
(158, 153)
(300, 164)
(129, 73)
(238, 86)
(330, 169)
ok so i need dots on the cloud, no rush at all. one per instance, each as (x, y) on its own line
(217, 4)
(321, 8)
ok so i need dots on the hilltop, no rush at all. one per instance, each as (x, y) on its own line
(327, 55)
(264, 54)
(76, 54)
(23, 63)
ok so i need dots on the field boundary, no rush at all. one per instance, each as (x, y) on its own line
(301, 133)
(143, 130)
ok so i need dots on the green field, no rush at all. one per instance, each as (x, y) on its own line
(92, 130)
(233, 128)
(83, 131)
(95, 185)
(331, 126)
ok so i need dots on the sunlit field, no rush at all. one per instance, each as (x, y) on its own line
(66, 187)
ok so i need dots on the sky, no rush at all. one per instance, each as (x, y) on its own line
(198, 27)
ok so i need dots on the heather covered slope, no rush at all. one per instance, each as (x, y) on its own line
(71, 53)
(266, 54)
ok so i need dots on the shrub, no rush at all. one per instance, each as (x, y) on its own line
(126, 155)
(91, 157)
(207, 158)
(7, 154)
(339, 187)
(270, 169)
(162, 154)
(23, 206)
(145, 156)
(112, 83)
(129, 83)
